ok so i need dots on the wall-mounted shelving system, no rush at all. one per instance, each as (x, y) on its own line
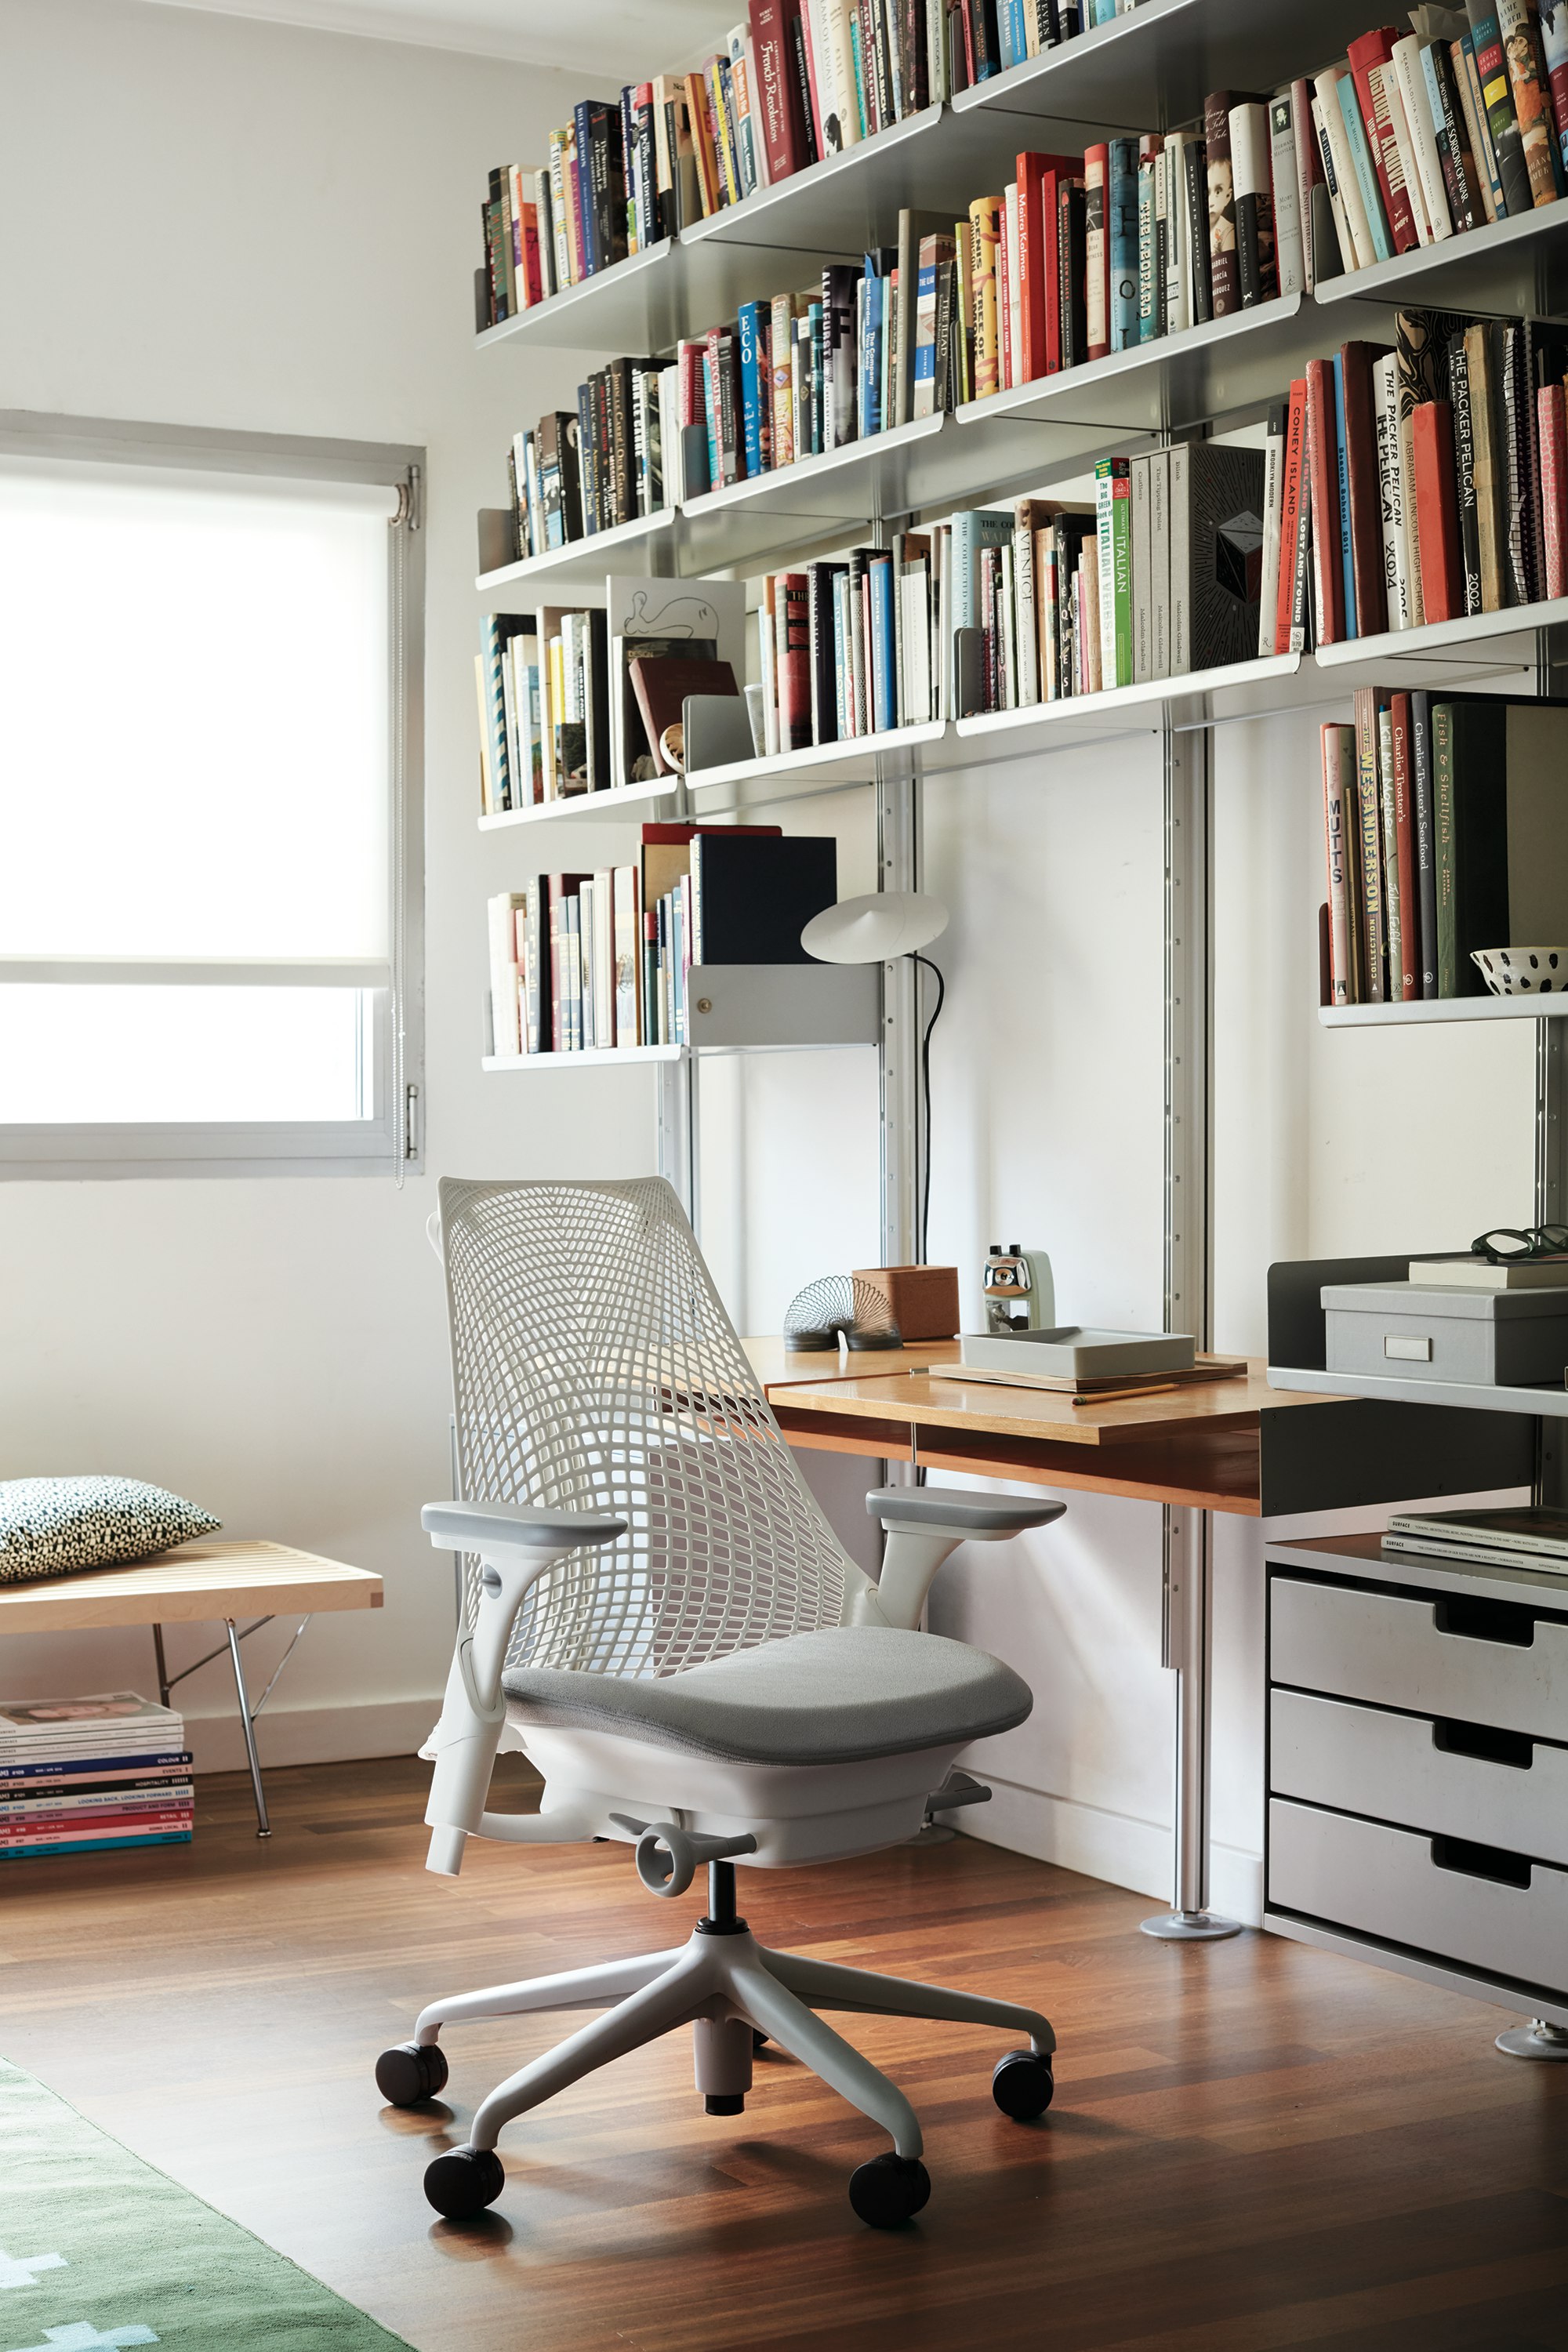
(1147, 70)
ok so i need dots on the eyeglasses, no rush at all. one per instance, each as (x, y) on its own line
(1505, 1243)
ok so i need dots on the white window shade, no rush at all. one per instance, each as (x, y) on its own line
(193, 715)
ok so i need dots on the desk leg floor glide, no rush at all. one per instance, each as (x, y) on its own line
(1536, 2040)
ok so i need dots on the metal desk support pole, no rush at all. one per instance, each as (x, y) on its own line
(1189, 1290)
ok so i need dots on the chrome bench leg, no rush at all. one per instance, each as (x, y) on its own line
(263, 1826)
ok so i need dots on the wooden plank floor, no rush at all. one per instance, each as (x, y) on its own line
(1253, 2144)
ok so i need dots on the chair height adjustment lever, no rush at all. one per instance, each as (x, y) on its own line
(668, 1858)
(957, 1789)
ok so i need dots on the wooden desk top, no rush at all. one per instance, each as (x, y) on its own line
(1198, 1447)
(869, 1387)
(214, 1578)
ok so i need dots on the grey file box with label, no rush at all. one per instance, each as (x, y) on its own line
(1503, 1337)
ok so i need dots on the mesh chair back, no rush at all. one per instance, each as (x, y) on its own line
(594, 1366)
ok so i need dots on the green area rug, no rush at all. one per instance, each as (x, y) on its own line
(99, 2249)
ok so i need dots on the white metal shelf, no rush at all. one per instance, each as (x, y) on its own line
(1204, 372)
(644, 545)
(1152, 69)
(633, 306)
(1503, 268)
(858, 760)
(630, 803)
(1481, 642)
(592, 1057)
(1552, 1402)
(1244, 689)
(1427, 1010)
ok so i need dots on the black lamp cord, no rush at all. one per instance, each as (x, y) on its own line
(925, 1080)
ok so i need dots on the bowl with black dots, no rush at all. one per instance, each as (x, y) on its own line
(1522, 971)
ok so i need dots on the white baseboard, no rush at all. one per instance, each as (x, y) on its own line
(1112, 1846)
(312, 1735)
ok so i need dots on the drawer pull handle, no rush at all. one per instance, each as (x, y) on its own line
(1405, 1350)
(1485, 1620)
(1488, 1862)
(1485, 1743)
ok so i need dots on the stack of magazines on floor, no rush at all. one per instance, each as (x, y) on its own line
(1528, 1537)
(81, 1775)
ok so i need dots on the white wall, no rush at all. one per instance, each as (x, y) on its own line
(223, 223)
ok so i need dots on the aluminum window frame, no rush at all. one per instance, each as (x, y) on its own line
(390, 1142)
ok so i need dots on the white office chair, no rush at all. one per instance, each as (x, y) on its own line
(664, 1618)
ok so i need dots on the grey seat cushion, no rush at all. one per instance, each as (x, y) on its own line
(832, 1698)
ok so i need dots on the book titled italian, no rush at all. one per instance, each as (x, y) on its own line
(1113, 518)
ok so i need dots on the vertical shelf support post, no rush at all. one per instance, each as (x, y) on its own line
(897, 1056)
(677, 1141)
(1187, 1536)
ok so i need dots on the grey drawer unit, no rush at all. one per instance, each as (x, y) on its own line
(1420, 1774)
(1497, 1663)
(1418, 1813)
(1396, 1885)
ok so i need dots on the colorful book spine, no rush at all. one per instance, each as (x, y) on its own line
(1341, 830)
(1113, 518)
(1224, 267)
(1097, 250)
(1122, 204)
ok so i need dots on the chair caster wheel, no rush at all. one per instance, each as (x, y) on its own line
(888, 2190)
(1022, 2086)
(461, 2183)
(411, 2071)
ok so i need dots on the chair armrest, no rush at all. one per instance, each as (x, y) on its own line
(474, 1527)
(516, 1545)
(945, 1509)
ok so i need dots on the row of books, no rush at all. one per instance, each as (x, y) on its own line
(1446, 830)
(1078, 257)
(576, 701)
(997, 610)
(89, 1775)
(802, 81)
(1416, 485)
(584, 963)
(1427, 135)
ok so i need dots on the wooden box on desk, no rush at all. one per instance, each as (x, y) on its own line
(924, 1298)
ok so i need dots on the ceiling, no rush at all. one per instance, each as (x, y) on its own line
(614, 38)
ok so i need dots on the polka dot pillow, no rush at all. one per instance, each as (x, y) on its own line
(48, 1525)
